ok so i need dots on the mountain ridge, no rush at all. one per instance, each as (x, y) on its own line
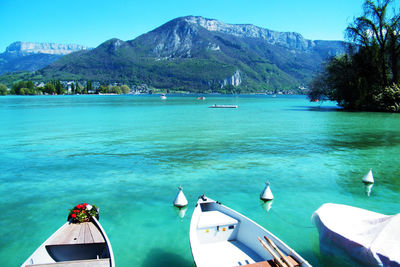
(43, 48)
(201, 55)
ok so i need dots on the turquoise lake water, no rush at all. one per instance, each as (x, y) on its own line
(128, 155)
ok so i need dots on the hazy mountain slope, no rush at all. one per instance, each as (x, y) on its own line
(26, 56)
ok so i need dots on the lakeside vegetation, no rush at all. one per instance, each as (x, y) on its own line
(59, 88)
(367, 76)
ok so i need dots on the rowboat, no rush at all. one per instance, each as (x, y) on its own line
(74, 244)
(223, 106)
(220, 236)
(368, 237)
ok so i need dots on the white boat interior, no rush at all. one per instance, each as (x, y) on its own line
(222, 237)
(74, 244)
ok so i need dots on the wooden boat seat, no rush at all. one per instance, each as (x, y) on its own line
(80, 263)
(272, 263)
(77, 233)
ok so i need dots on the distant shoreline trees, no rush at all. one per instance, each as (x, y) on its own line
(367, 76)
(56, 87)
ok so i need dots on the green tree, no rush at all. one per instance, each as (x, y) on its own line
(49, 88)
(78, 88)
(30, 85)
(23, 91)
(16, 88)
(116, 90)
(394, 47)
(125, 89)
(88, 87)
(388, 99)
(103, 89)
(376, 30)
(59, 87)
(73, 88)
(360, 78)
(3, 89)
(31, 91)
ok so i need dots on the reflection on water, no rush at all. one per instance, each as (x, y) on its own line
(368, 189)
(266, 205)
(333, 255)
(158, 257)
(180, 211)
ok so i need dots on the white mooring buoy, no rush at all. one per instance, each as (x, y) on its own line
(266, 194)
(368, 178)
(180, 199)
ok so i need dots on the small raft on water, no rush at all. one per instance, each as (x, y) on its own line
(220, 236)
(368, 237)
(223, 106)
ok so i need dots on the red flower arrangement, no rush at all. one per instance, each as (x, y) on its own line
(83, 213)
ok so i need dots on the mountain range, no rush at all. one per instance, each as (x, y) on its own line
(200, 55)
(28, 56)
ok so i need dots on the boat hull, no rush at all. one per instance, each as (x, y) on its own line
(223, 106)
(367, 237)
(220, 236)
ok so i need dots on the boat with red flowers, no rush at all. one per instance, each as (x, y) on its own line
(81, 241)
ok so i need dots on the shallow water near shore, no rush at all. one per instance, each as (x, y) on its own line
(128, 155)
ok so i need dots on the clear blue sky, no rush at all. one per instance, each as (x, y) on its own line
(91, 22)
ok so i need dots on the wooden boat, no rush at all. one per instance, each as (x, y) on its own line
(371, 238)
(220, 236)
(223, 106)
(74, 244)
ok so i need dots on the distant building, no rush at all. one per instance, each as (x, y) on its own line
(40, 85)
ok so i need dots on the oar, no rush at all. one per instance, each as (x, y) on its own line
(270, 251)
(279, 252)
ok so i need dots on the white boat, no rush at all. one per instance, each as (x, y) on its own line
(223, 106)
(163, 96)
(72, 245)
(369, 237)
(220, 236)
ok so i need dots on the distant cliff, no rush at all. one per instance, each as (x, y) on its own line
(43, 48)
(290, 40)
(27, 56)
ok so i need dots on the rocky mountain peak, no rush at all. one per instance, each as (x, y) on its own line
(175, 39)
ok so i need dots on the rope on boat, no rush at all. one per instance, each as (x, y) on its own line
(289, 222)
